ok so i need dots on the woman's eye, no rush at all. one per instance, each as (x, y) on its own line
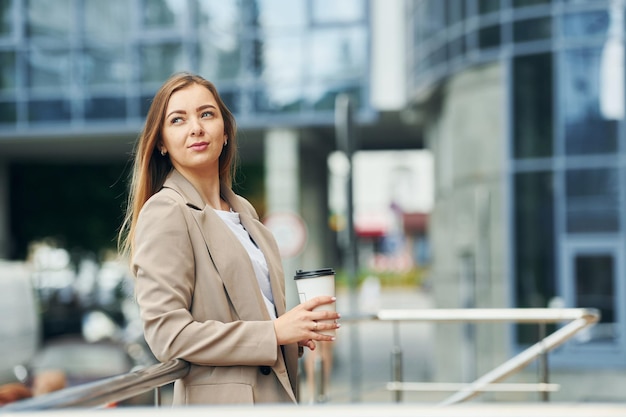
(176, 120)
(207, 114)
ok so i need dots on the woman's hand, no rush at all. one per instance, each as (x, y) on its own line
(300, 324)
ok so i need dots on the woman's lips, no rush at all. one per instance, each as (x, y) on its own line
(200, 146)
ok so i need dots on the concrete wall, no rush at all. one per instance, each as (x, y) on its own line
(469, 237)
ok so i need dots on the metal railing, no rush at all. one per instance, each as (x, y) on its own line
(578, 318)
(122, 387)
(108, 390)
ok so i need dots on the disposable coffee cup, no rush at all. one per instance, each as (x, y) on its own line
(314, 283)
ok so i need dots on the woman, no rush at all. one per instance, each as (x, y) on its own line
(209, 280)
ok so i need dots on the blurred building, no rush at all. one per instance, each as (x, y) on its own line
(77, 76)
(522, 105)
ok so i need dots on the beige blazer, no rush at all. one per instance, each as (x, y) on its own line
(200, 301)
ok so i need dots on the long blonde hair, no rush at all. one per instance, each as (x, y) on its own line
(150, 168)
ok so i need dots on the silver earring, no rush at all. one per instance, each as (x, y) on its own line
(226, 142)
(163, 152)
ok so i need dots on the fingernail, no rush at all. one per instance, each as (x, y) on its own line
(334, 298)
(338, 325)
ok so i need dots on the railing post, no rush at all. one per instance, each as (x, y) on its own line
(543, 362)
(157, 397)
(396, 362)
(320, 378)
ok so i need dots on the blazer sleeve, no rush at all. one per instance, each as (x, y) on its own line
(163, 264)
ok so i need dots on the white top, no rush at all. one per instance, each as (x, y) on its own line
(259, 263)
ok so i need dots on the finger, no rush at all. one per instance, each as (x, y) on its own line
(318, 301)
(325, 315)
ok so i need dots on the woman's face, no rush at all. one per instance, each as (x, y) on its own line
(193, 131)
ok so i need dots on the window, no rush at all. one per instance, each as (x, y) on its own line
(592, 200)
(532, 106)
(533, 218)
(587, 91)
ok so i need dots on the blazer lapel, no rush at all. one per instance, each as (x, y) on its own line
(228, 254)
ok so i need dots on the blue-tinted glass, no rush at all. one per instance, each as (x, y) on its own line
(592, 200)
(524, 3)
(337, 54)
(160, 61)
(324, 99)
(456, 47)
(7, 71)
(489, 37)
(217, 17)
(533, 217)
(49, 68)
(106, 21)
(488, 6)
(277, 14)
(326, 11)
(533, 115)
(585, 24)
(8, 112)
(6, 17)
(278, 100)
(219, 42)
(49, 21)
(105, 66)
(49, 111)
(455, 11)
(219, 61)
(590, 104)
(105, 108)
(160, 14)
(532, 29)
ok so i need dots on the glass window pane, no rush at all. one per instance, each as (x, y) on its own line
(534, 262)
(158, 62)
(590, 112)
(49, 21)
(217, 17)
(160, 14)
(595, 278)
(280, 99)
(277, 13)
(533, 116)
(532, 29)
(524, 3)
(337, 54)
(488, 6)
(107, 20)
(456, 11)
(105, 66)
(595, 23)
(324, 98)
(7, 71)
(105, 108)
(219, 61)
(49, 68)
(49, 111)
(8, 112)
(6, 17)
(325, 11)
(283, 82)
(489, 37)
(592, 201)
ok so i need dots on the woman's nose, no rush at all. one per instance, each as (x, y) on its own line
(196, 128)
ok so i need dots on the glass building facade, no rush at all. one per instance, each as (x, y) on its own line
(77, 77)
(565, 165)
(80, 63)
